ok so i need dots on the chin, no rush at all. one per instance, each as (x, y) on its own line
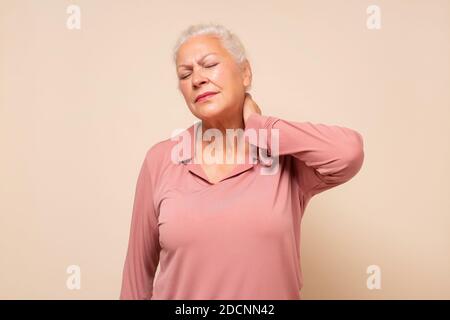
(210, 110)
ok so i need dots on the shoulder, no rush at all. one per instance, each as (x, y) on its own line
(159, 156)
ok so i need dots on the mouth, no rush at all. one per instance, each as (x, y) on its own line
(205, 96)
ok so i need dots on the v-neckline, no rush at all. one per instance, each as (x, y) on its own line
(197, 168)
(238, 168)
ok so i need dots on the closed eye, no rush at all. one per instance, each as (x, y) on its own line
(211, 65)
(208, 66)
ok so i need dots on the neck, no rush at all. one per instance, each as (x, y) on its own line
(234, 143)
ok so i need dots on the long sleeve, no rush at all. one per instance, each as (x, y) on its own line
(143, 246)
(324, 155)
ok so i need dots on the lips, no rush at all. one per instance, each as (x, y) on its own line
(206, 94)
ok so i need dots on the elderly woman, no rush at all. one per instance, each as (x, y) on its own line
(228, 229)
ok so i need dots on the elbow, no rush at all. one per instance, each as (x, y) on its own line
(349, 156)
(353, 156)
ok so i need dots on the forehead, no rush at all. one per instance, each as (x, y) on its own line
(197, 47)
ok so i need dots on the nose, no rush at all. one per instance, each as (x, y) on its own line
(198, 78)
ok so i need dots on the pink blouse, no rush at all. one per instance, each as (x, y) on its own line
(240, 237)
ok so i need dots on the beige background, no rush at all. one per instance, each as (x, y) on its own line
(79, 109)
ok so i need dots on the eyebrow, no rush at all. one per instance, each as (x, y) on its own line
(185, 65)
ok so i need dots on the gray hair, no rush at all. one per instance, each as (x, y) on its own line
(228, 39)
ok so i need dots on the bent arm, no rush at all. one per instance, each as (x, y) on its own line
(324, 155)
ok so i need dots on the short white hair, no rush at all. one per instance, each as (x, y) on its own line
(229, 40)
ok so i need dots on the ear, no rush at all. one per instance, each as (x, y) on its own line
(247, 74)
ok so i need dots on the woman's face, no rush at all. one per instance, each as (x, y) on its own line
(203, 65)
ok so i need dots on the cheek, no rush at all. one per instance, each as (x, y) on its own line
(224, 76)
(219, 77)
(230, 84)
